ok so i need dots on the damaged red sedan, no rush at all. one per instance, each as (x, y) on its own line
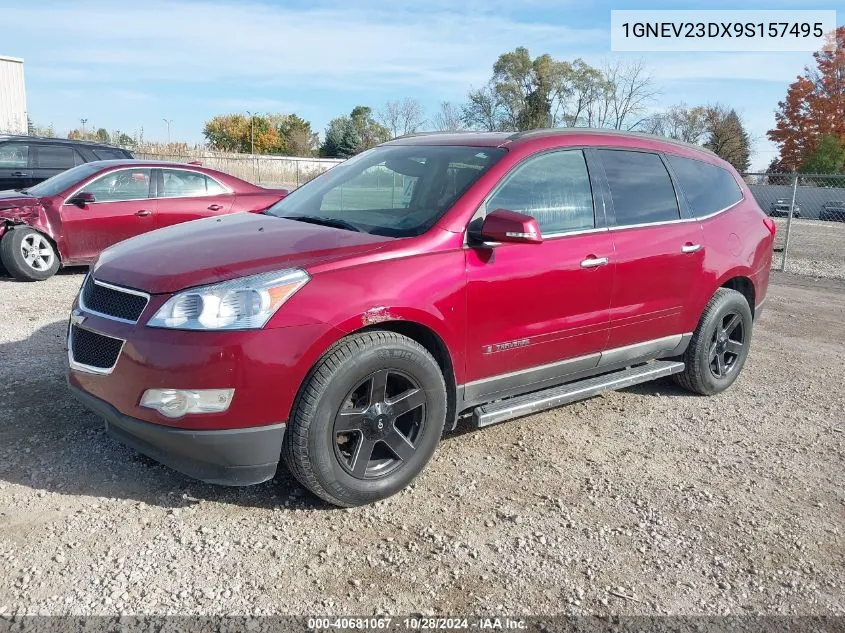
(70, 218)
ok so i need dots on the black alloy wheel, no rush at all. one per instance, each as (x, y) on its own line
(377, 427)
(727, 345)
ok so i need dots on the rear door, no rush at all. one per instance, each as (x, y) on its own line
(537, 312)
(15, 172)
(52, 159)
(659, 254)
(185, 194)
(123, 207)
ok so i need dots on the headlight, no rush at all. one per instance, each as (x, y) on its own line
(240, 304)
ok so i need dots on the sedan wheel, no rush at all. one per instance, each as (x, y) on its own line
(28, 255)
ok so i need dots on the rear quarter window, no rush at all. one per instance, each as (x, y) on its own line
(707, 188)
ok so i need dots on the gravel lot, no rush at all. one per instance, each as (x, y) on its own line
(646, 501)
(815, 248)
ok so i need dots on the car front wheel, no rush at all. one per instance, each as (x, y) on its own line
(367, 419)
(28, 255)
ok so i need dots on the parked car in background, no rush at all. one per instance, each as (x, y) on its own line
(27, 160)
(495, 274)
(780, 209)
(70, 218)
(833, 211)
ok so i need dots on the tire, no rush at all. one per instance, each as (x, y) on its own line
(28, 255)
(340, 415)
(719, 345)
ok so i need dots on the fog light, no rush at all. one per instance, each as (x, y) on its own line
(174, 403)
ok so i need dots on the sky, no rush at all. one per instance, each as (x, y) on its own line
(132, 66)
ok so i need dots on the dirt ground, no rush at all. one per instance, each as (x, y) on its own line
(815, 248)
(645, 501)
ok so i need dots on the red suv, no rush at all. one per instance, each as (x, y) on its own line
(493, 274)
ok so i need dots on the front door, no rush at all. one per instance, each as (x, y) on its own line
(123, 207)
(537, 312)
(659, 254)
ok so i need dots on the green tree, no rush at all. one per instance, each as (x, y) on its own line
(349, 135)
(827, 158)
(102, 135)
(726, 136)
(341, 141)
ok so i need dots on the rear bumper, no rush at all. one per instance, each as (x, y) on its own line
(230, 457)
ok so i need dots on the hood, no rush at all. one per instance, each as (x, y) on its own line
(11, 199)
(226, 247)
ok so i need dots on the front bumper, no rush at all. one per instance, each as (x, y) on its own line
(230, 457)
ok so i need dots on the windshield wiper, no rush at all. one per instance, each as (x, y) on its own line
(22, 190)
(323, 221)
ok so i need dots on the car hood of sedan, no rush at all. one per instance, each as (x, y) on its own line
(11, 199)
(226, 247)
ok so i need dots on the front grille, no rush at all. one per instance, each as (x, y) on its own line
(93, 349)
(111, 301)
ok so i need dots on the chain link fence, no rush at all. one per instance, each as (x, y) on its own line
(809, 210)
(261, 169)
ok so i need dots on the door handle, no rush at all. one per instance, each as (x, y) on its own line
(594, 262)
(143, 213)
(690, 248)
(19, 173)
(215, 207)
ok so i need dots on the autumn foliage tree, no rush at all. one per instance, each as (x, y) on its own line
(814, 107)
(285, 134)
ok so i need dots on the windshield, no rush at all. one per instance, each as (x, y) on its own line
(394, 190)
(58, 183)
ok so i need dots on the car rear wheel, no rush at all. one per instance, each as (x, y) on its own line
(719, 345)
(367, 419)
(28, 255)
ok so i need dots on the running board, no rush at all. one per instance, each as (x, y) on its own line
(519, 406)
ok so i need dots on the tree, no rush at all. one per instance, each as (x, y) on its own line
(526, 93)
(102, 135)
(341, 140)
(448, 118)
(814, 106)
(827, 158)
(368, 131)
(402, 117)
(727, 137)
(33, 129)
(285, 134)
(623, 97)
(679, 122)
(483, 110)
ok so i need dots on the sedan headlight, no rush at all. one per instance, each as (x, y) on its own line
(240, 304)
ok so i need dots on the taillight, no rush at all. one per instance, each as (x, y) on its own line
(770, 224)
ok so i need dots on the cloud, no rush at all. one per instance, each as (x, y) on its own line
(334, 45)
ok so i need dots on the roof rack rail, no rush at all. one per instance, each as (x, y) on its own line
(610, 132)
(58, 139)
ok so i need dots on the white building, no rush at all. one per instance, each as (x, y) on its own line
(12, 96)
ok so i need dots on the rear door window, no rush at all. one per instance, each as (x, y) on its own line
(708, 188)
(57, 157)
(180, 183)
(14, 155)
(640, 187)
(104, 153)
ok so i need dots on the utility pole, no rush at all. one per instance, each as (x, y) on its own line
(168, 122)
(251, 132)
(83, 121)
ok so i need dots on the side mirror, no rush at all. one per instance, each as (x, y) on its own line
(507, 226)
(83, 198)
